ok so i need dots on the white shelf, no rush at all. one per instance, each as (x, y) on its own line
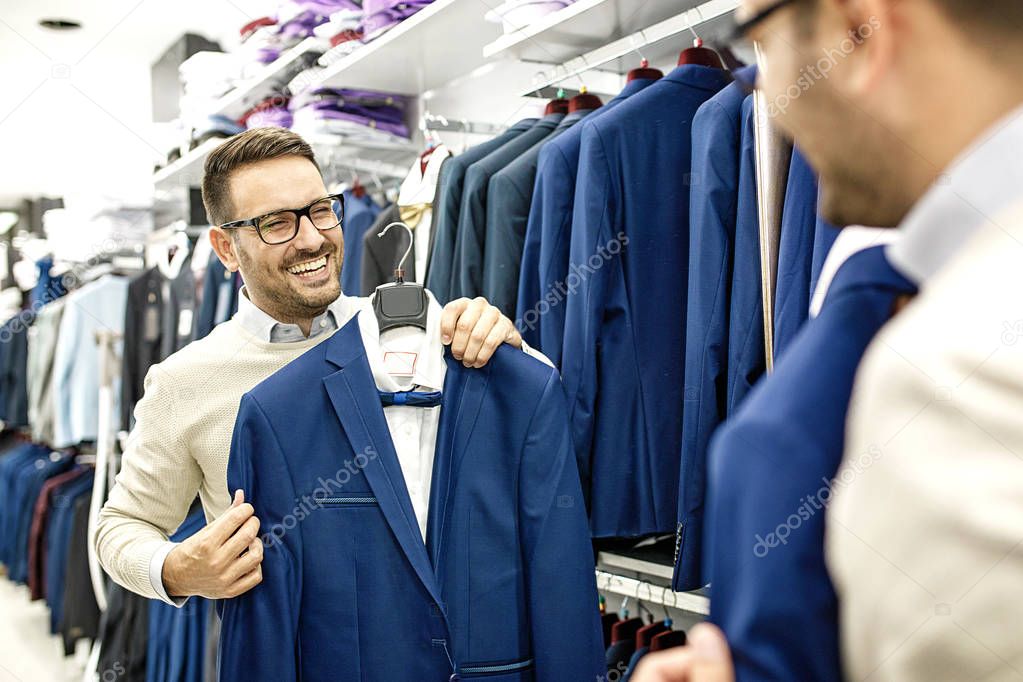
(186, 171)
(270, 79)
(383, 158)
(429, 49)
(583, 26)
(660, 43)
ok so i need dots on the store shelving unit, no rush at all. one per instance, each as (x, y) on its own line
(428, 50)
(186, 171)
(269, 80)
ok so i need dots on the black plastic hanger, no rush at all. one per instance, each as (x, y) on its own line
(401, 303)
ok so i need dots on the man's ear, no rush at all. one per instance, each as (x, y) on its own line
(225, 248)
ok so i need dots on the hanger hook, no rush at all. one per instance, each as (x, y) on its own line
(642, 41)
(692, 29)
(664, 605)
(400, 270)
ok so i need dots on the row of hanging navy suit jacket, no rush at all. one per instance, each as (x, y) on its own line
(624, 241)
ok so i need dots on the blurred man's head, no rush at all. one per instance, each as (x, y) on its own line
(250, 178)
(882, 95)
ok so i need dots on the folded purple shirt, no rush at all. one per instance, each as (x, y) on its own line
(381, 15)
(307, 113)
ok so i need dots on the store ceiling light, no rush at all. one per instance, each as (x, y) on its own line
(60, 24)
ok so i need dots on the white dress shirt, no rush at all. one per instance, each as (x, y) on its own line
(419, 189)
(404, 359)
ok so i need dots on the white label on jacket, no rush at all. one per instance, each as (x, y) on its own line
(400, 364)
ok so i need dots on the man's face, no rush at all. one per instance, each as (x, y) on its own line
(811, 58)
(272, 273)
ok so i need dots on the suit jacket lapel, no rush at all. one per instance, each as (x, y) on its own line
(353, 393)
(463, 395)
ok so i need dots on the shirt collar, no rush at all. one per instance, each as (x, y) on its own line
(420, 186)
(981, 183)
(430, 368)
(265, 328)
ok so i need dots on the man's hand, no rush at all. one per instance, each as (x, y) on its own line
(214, 563)
(705, 659)
(475, 329)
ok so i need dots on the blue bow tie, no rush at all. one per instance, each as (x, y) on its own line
(413, 398)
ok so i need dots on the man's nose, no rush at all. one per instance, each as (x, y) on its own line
(308, 237)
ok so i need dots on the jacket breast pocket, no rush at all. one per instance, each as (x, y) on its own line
(347, 501)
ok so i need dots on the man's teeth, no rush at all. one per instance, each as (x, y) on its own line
(308, 267)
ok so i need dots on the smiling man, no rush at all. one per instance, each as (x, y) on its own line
(273, 220)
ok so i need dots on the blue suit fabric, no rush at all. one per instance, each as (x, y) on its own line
(176, 646)
(509, 198)
(795, 253)
(775, 460)
(625, 323)
(824, 238)
(58, 539)
(360, 212)
(502, 589)
(467, 276)
(746, 359)
(545, 266)
(713, 210)
(447, 205)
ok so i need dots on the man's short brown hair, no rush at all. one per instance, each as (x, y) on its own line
(258, 144)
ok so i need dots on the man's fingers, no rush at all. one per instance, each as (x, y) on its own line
(241, 539)
(464, 326)
(224, 527)
(489, 318)
(713, 658)
(497, 336)
(245, 583)
(452, 311)
(246, 563)
(239, 497)
(675, 665)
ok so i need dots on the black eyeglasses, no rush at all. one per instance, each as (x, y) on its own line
(280, 227)
(742, 28)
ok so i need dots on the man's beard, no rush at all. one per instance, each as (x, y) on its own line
(275, 288)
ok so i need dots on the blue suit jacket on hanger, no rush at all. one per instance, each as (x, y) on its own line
(746, 359)
(449, 202)
(350, 591)
(795, 253)
(544, 266)
(625, 324)
(713, 207)
(467, 277)
(509, 198)
(774, 461)
(359, 216)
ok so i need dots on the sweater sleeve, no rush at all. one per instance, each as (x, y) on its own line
(158, 481)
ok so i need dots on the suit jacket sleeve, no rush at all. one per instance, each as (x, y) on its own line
(562, 591)
(528, 295)
(502, 250)
(264, 619)
(595, 210)
(467, 272)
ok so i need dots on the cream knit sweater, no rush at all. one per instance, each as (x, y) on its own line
(180, 445)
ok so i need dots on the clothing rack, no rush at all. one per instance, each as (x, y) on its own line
(649, 593)
(603, 82)
(105, 473)
(437, 123)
